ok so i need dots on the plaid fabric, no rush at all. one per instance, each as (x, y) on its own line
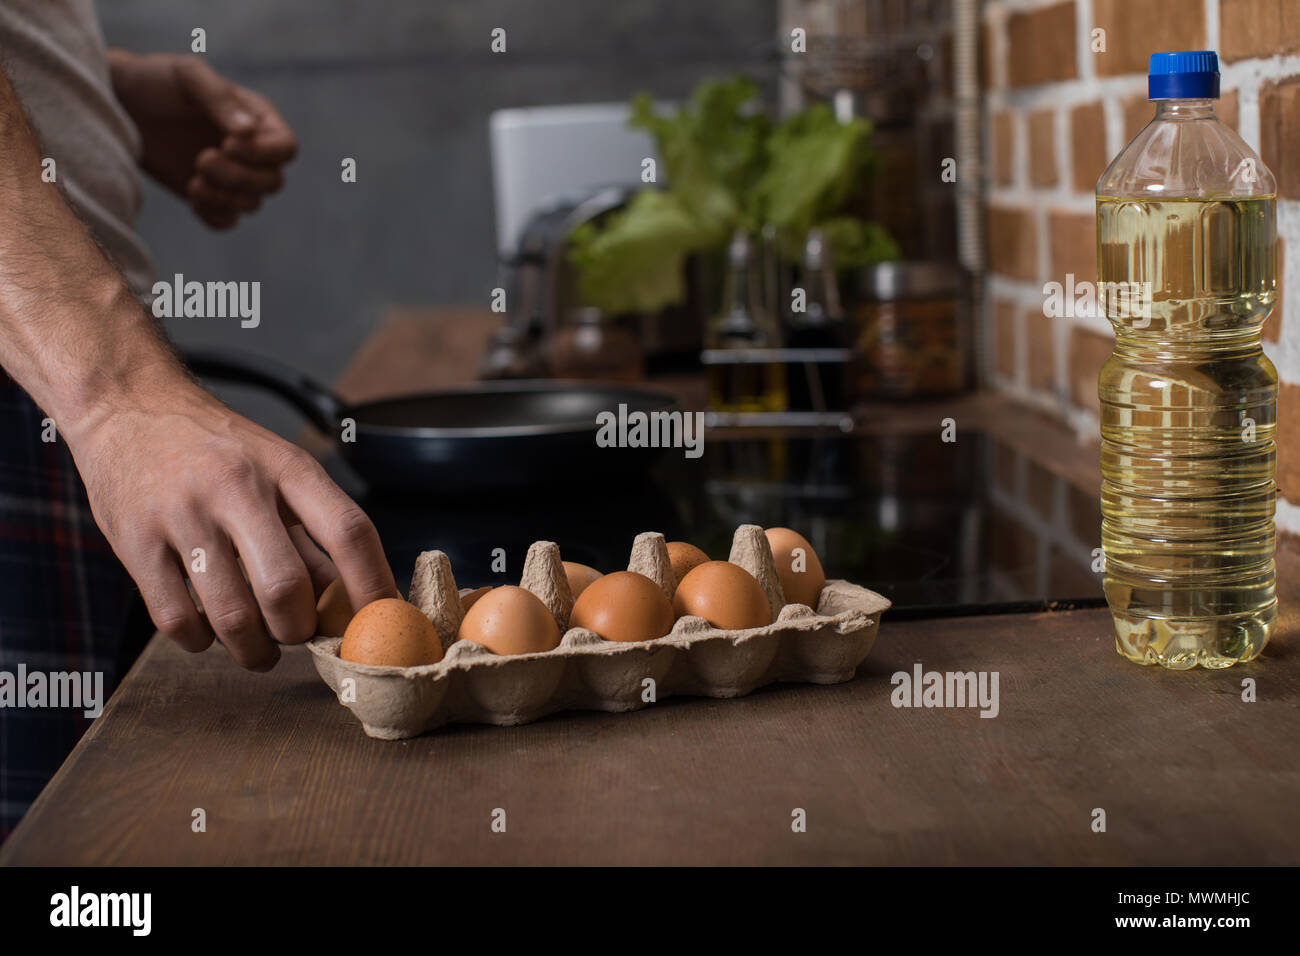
(64, 597)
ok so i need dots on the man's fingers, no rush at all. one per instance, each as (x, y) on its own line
(269, 148)
(218, 97)
(271, 143)
(230, 175)
(247, 506)
(343, 529)
(229, 606)
(200, 190)
(276, 571)
(322, 570)
(216, 217)
(170, 606)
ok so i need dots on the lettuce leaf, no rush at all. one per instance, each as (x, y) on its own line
(713, 149)
(855, 243)
(634, 263)
(813, 165)
(727, 167)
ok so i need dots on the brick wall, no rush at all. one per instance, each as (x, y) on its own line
(1055, 114)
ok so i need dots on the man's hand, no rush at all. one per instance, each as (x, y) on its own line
(168, 468)
(184, 472)
(216, 144)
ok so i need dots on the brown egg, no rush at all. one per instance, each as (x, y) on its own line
(684, 558)
(468, 599)
(510, 620)
(725, 595)
(580, 576)
(797, 565)
(391, 631)
(333, 610)
(624, 606)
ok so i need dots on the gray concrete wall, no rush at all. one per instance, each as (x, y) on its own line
(405, 86)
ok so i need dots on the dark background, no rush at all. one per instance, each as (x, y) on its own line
(406, 88)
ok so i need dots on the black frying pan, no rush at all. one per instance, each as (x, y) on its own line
(493, 436)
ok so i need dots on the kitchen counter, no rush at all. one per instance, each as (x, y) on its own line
(1186, 772)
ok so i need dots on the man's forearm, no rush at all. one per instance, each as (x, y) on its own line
(71, 333)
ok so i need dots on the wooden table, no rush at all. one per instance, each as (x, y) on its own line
(1186, 771)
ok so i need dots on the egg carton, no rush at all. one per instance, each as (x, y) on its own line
(471, 684)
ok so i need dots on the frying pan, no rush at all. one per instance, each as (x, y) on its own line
(493, 436)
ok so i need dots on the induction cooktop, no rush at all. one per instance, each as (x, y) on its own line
(937, 527)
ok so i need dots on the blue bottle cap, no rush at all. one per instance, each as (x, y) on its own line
(1186, 75)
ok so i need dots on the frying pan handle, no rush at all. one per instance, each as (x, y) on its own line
(322, 407)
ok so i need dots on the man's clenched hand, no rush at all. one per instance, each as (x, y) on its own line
(218, 145)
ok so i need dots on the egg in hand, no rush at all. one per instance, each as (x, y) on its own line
(333, 610)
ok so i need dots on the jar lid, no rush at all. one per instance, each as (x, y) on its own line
(915, 279)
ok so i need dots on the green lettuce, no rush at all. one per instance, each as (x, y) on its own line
(728, 167)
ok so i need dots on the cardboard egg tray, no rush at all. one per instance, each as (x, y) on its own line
(470, 684)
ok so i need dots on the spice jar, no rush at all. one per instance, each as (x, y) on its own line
(910, 336)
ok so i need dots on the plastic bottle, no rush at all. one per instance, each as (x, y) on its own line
(1186, 224)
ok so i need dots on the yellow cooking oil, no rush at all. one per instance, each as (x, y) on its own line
(1188, 413)
(747, 387)
(742, 335)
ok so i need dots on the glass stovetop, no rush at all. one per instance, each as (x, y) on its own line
(936, 527)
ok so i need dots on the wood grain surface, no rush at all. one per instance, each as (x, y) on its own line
(1186, 771)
